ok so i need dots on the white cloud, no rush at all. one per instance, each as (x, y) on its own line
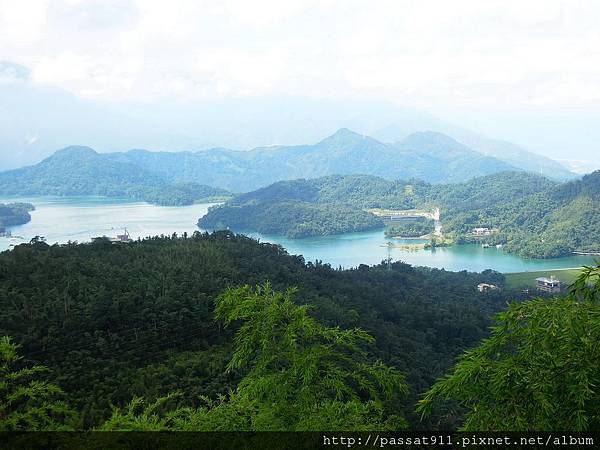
(427, 53)
(22, 21)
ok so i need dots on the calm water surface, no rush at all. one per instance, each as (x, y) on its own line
(62, 219)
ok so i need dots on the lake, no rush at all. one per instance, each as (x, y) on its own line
(63, 219)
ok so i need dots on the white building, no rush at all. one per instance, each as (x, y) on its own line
(551, 284)
(485, 287)
(482, 231)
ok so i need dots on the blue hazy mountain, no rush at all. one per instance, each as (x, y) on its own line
(35, 120)
(432, 157)
(80, 170)
(506, 151)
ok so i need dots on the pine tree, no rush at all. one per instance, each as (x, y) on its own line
(300, 375)
(26, 402)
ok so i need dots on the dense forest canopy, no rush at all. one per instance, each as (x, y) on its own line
(345, 350)
(411, 228)
(294, 219)
(537, 371)
(14, 214)
(115, 321)
(552, 222)
(532, 216)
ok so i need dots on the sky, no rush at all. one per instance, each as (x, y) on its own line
(526, 70)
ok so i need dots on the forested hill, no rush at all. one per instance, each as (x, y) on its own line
(555, 222)
(82, 171)
(337, 204)
(433, 157)
(14, 214)
(532, 216)
(117, 321)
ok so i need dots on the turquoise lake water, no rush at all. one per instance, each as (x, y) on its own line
(62, 219)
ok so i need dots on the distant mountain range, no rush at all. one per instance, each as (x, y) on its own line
(82, 171)
(506, 151)
(36, 119)
(429, 156)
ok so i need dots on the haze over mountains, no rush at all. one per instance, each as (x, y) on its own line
(429, 156)
(36, 120)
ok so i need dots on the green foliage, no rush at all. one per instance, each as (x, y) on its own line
(301, 375)
(520, 280)
(587, 285)
(410, 229)
(535, 217)
(136, 320)
(14, 214)
(323, 206)
(539, 369)
(163, 414)
(26, 402)
(82, 171)
(300, 371)
(291, 218)
(180, 194)
(336, 204)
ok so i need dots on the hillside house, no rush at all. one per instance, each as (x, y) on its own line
(482, 231)
(551, 285)
(485, 287)
(125, 237)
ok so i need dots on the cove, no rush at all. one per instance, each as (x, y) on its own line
(63, 219)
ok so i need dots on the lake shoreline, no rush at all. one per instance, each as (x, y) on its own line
(63, 219)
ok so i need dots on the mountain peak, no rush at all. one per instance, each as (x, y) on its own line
(74, 151)
(345, 132)
(344, 135)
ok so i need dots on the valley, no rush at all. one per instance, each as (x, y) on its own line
(255, 225)
(64, 219)
(346, 183)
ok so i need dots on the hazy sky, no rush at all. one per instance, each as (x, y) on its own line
(498, 66)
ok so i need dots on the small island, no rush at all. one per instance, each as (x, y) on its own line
(12, 214)
(419, 228)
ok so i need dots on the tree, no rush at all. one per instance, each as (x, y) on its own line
(27, 403)
(301, 375)
(163, 414)
(539, 370)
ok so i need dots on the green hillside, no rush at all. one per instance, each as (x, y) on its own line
(432, 157)
(14, 214)
(82, 171)
(116, 321)
(554, 222)
(337, 204)
(531, 215)
(520, 280)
